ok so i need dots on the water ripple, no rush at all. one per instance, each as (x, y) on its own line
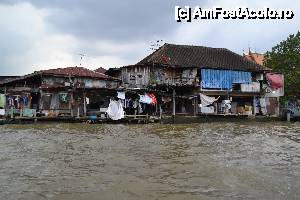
(190, 161)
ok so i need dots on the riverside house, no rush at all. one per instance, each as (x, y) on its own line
(71, 91)
(197, 80)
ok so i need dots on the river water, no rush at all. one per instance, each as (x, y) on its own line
(240, 160)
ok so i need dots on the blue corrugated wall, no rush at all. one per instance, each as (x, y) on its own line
(223, 79)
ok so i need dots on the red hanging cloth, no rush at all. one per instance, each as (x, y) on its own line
(154, 100)
(276, 81)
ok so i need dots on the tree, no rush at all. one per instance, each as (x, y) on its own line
(285, 58)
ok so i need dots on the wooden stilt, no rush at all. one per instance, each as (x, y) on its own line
(84, 104)
(215, 108)
(254, 105)
(277, 111)
(12, 112)
(195, 106)
(71, 104)
(288, 116)
(160, 111)
(174, 106)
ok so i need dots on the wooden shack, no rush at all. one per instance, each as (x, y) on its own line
(71, 91)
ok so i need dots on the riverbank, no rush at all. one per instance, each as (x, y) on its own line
(144, 119)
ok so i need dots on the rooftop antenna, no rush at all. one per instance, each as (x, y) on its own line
(249, 50)
(156, 45)
(81, 58)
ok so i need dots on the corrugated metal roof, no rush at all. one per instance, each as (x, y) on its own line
(101, 70)
(200, 57)
(6, 78)
(75, 71)
(67, 72)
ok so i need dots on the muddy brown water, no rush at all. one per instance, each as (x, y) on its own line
(240, 160)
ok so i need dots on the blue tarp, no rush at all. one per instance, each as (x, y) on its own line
(223, 79)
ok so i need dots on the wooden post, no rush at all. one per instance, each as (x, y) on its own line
(84, 104)
(254, 105)
(5, 105)
(147, 118)
(174, 106)
(195, 105)
(277, 108)
(71, 104)
(78, 113)
(12, 112)
(288, 116)
(160, 111)
(41, 102)
(216, 108)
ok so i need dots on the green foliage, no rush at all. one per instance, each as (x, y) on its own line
(285, 58)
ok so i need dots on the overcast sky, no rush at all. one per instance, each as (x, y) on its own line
(42, 34)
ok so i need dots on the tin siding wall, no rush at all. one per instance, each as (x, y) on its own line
(223, 79)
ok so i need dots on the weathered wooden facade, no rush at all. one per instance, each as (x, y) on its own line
(180, 73)
(71, 91)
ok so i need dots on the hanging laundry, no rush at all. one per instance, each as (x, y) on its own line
(121, 95)
(140, 109)
(135, 104)
(153, 98)
(87, 100)
(129, 103)
(207, 110)
(145, 99)
(2, 101)
(63, 97)
(206, 100)
(276, 81)
(115, 110)
(25, 100)
(263, 105)
(17, 102)
(2, 112)
(226, 104)
(10, 101)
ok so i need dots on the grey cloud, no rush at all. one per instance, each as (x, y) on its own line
(119, 22)
(134, 23)
(111, 20)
